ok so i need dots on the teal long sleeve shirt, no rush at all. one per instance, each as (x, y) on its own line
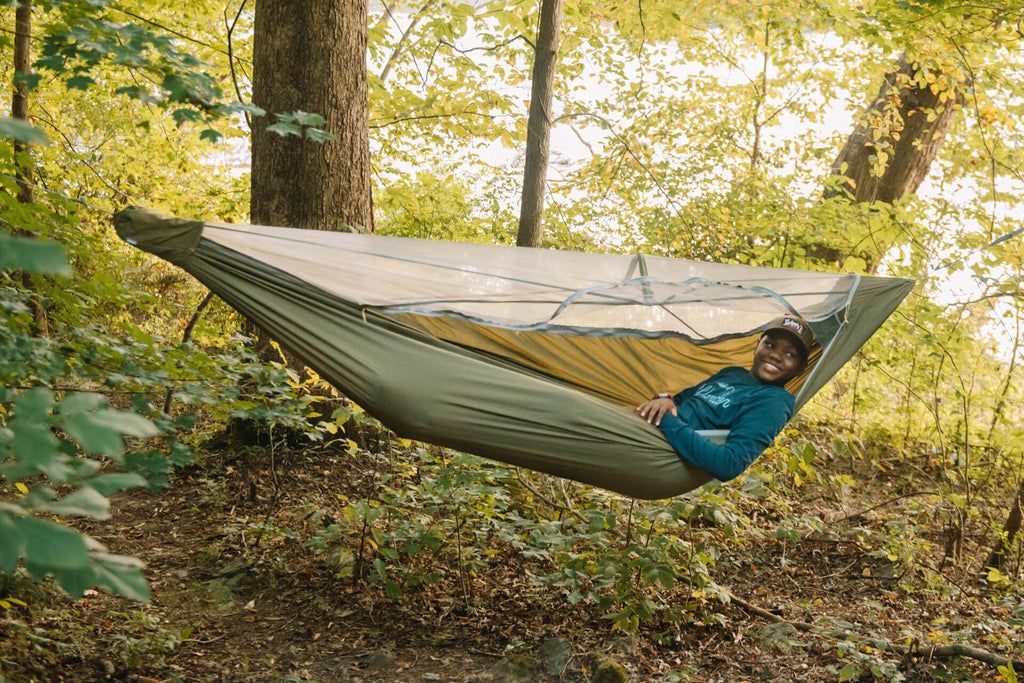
(730, 399)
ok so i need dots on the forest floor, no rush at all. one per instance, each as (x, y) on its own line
(233, 604)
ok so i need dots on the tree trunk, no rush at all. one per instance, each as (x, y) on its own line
(892, 147)
(538, 133)
(311, 57)
(1010, 530)
(19, 101)
(896, 125)
(22, 157)
(308, 56)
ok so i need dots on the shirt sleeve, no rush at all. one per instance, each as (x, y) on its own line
(750, 434)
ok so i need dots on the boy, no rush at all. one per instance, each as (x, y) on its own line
(752, 404)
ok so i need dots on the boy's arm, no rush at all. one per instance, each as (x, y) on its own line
(752, 432)
(685, 394)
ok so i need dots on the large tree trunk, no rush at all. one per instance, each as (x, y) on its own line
(900, 134)
(311, 56)
(896, 124)
(308, 56)
(538, 133)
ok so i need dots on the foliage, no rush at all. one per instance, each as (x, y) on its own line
(30, 451)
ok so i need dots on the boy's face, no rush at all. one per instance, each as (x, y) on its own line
(777, 359)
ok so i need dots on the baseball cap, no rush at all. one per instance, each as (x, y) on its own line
(798, 328)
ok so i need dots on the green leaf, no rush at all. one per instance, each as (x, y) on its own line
(12, 544)
(285, 129)
(318, 135)
(31, 255)
(304, 118)
(106, 484)
(74, 581)
(99, 430)
(131, 424)
(136, 93)
(82, 402)
(250, 109)
(210, 135)
(122, 575)
(85, 502)
(50, 547)
(34, 405)
(182, 116)
(80, 83)
(180, 454)
(31, 80)
(93, 434)
(33, 444)
(849, 672)
(22, 131)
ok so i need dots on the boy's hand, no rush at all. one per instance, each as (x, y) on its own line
(655, 409)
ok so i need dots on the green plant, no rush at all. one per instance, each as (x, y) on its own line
(60, 440)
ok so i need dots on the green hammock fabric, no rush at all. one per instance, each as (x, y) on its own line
(527, 356)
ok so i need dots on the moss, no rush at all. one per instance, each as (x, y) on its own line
(608, 670)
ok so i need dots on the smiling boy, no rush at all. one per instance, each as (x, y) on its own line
(752, 404)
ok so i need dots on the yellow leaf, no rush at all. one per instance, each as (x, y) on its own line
(405, 442)
(21, 487)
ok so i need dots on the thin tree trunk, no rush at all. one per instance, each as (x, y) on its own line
(403, 42)
(311, 56)
(22, 150)
(538, 134)
(1010, 531)
(19, 102)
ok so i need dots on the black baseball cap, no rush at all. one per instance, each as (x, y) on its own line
(798, 329)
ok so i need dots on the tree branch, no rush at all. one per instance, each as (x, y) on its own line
(231, 56)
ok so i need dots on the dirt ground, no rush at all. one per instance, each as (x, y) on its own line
(231, 605)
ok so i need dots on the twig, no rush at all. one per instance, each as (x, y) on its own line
(167, 29)
(272, 507)
(946, 577)
(883, 504)
(185, 337)
(538, 494)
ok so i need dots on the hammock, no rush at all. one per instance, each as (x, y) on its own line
(531, 357)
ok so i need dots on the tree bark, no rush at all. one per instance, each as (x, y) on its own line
(538, 133)
(22, 154)
(19, 101)
(311, 56)
(308, 56)
(1010, 529)
(897, 124)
